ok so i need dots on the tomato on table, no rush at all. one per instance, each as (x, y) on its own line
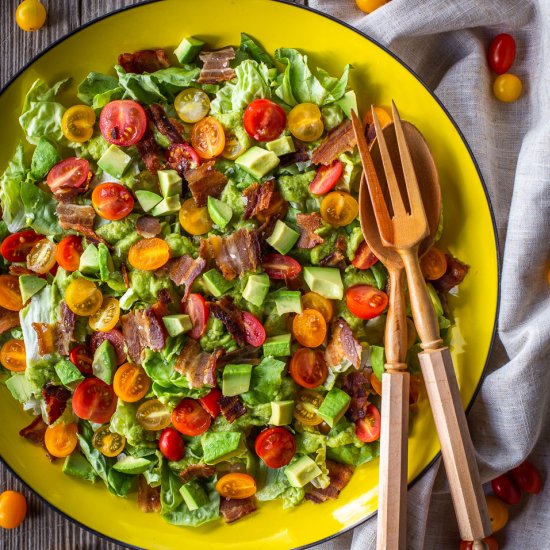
(210, 402)
(376, 383)
(182, 157)
(365, 301)
(107, 316)
(491, 543)
(306, 407)
(171, 444)
(264, 120)
(68, 252)
(194, 219)
(502, 52)
(13, 509)
(528, 478)
(368, 429)
(208, 137)
(13, 355)
(369, 6)
(253, 330)
(309, 328)
(196, 307)
(71, 172)
(81, 358)
(108, 443)
(339, 208)
(326, 177)
(189, 418)
(305, 122)
(236, 485)
(312, 300)
(433, 264)
(61, 440)
(192, 105)
(498, 513)
(112, 201)
(364, 257)
(507, 87)
(30, 15)
(152, 415)
(77, 123)
(16, 247)
(131, 383)
(123, 122)
(275, 446)
(42, 256)
(94, 400)
(308, 368)
(279, 267)
(10, 294)
(505, 488)
(83, 297)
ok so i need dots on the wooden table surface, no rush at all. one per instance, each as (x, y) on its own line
(44, 528)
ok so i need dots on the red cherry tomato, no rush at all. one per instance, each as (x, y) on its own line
(189, 418)
(275, 446)
(112, 201)
(196, 307)
(528, 478)
(368, 429)
(182, 157)
(71, 172)
(308, 368)
(68, 252)
(364, 257)
(210, 402)
(502, 53)
(505, 488)
(326, 178)
(279, 267)
(81, 358)
(365, 301)
(171, 444)
(94, 400)
(253, 329)
(16, 247)
(117, 340)
(264, 120)
(123, 122)
(491, 542)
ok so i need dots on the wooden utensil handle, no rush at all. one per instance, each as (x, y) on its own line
(456, 444)
(396, 323)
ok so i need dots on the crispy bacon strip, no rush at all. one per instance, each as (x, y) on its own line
(64, 330)
(300, 155)
(205, 181)
(334, 259)
(164, 125)
(264, 202)
(456, 271)
(148, 227)
(339, 475)
(231, 316)
(357, 385)
(231, 407)
(197, 471)
(142, 330)
(144, 61)
(343, 345)
(248, 354)
(56, 398)
(184, 271)
(8, 320)
(308, 224)
(338, 141)
(20, 270)
(130, 331)
(148, 497)
(196, 365)
(234, 509)
(216, 66)
(45, 334)
(125, 276)
(150, 153)
(78, 218)
(35, 433)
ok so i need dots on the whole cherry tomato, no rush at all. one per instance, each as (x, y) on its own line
(502, 53)
(528, 478)
(171, 444)
(505, 488)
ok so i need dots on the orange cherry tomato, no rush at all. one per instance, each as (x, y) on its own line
(383, 117)
(112, 201)
(309, 328)
(315, 301)
(308, 368)
(83, 297)
(13, 509)
(194, 219)
(375, 383)
(306, 407)
(13, 355)
(208, 138)
(108, 443)
(61, 440)
(433, 264)
(10, 295)
(305, 122)
(339, 208)
(68, 252)
(131, 382)
(369, 6)
(364, 257)
(236, 485)
(498, 513)
(149, 254)
(153, 415)
(107, 316)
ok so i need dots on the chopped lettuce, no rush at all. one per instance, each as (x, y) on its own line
(265, 382)
(40, 209)
(255, 51)
(355, 456)
(377, 360)
(332, 116)
(277, 485)
(13, 212)
(98, 89)
(124, 423)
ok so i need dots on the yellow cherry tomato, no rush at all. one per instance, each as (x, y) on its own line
(77, 123)
(305, 122)
(306, 407)
(195, 219)
(152, 415)
(107, 316)
(507, 87)
(42, 256)
(323, 305)
(370, 5)
(13, 355)
(309, 328)
(233, 146)
(339, 208)
(83, 297)
(13, 509)
(149, 254)
(131, 382)
(192, 105)
(30, 15)
(108, 443)
(498, 513)
(61, 439)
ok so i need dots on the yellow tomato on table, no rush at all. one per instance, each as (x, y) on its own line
(30, 15)
(370, 5)
(13, 509)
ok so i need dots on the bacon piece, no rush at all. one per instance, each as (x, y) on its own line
(64, 330)
(20, 270)
(264, 202)
(184, 271)
(56, 398)
(234, 254)
(142, 330)
(35, 433)
(8, 320)
(45, 334)
(342, 346)
(78, 218)
(164, 125)
(196, 365)
(339, 475)
(116, 339)
(456, 271)
(338, 141)
(148, 227)
(216, 66)
(197, 471)
(125, 276)
(205, 181)
(358, 408)
(357, 383)
(148, 497)
(334, 259)
(150, 153)
(301, 155)
(248, 354)
(233, 509)
(231, 407)
(231, 316)
(308, 224)
(144, 61)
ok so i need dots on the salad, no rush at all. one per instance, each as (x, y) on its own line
(187, 304)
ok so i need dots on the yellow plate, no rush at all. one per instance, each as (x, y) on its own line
(469, 234)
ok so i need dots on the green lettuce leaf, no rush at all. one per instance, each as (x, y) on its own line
(265, 382)
(352, 455)
(124, 423)
(97, 85)
(13, 212)
(44, 158)
(40, 209)
(277, 486)
(255, 51)
(377, 359)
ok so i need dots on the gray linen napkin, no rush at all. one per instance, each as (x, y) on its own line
(445, 42)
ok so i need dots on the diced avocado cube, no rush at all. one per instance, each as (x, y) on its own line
(288, 301)
(278, 346)
(114, 161)
(128, 299)
(170, 183)
(281, 412)
(334, 406)
(29, 285)
(220, 212)
(177, 324)
(167, 206)
(348, 103)
(77, 466)
(188, 49)
(326, 281)
(283, 237)
(257, 161)
(132, 465)
(105, 262)
(147, 199)
(89, 260)
(194, 495)
(236, 379)
(19, 387)
(104, 363)
(302, 471)
(67, 372)
(256, 289)
(218, 446)
(281, 146)
(215, 283)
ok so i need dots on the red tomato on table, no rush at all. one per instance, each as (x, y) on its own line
(502, 53)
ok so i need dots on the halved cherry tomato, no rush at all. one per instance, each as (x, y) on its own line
(364, 257)
(498, 513)
(309, 328)
(339, 208)
(68, 252)
(30, 15)
(528, 478)
(152, 415)
(507, 87)
(41, 257)
(83, 297)
(502, 52)
(264, 120)
(131, 383)
(192, 105)
(308, 368)
(10, 294)
(505, 488)
(117, 340)
(368, 429)
(80, 357)
(312, 300)
(182, 157)
(326, 177)
(210, 402)
(108, 443)
(491, 542)
(365, 301)
(13, 509)
(112, 201)
(77, 123)
(383, 117)
(208, 137)
(196, 307)
(306, 407)
(16, 247)
(13, 355)
(279, 267)
(275, 446)
(123, 122)
(194, 219)
(171, 444)
(94, 400)
(305, 122)
(61, 440)
(149, 254)
(189, 418)
(433, 264)
(253, 330)
(71, 172)
(375, 383)
(234, 147)
(107, 316)
(236, 485)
